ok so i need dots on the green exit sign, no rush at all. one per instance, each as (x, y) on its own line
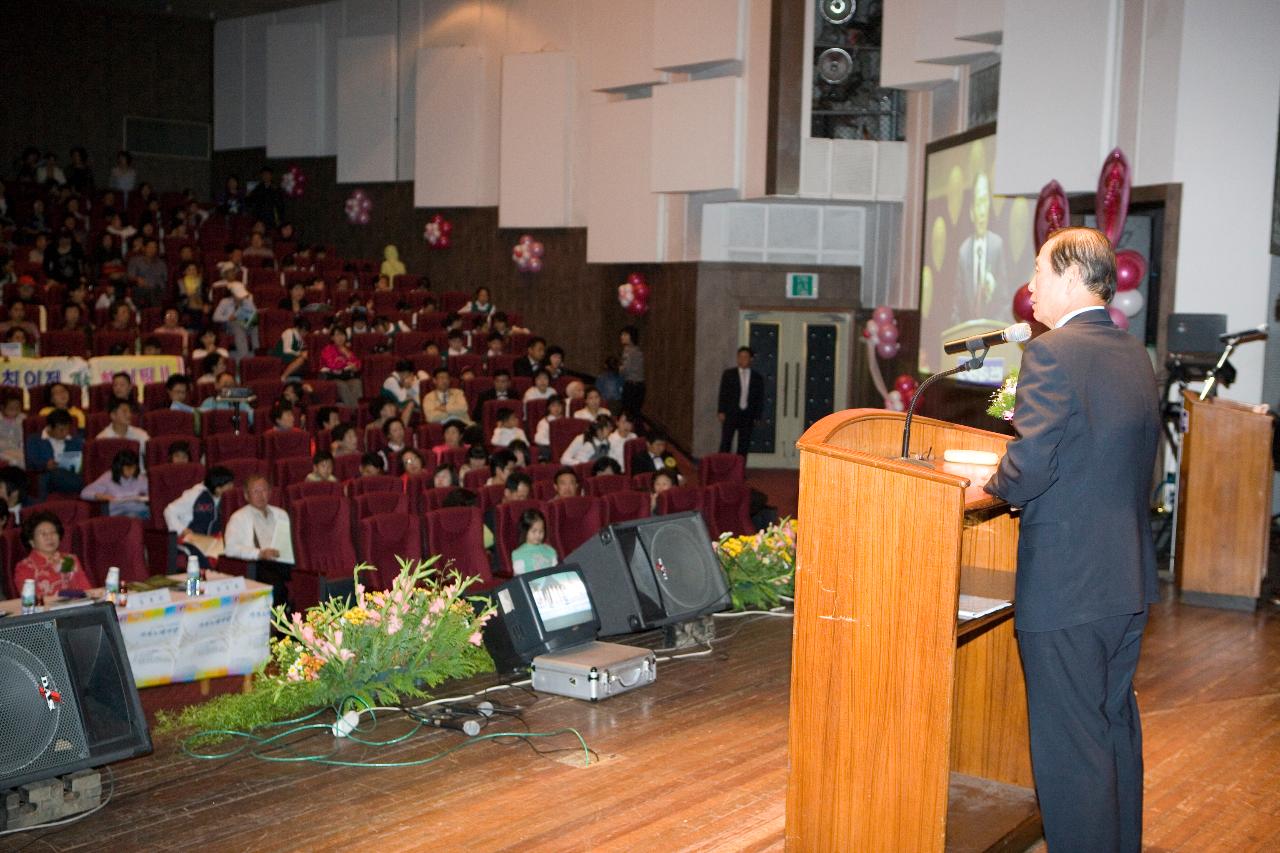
(802, 285)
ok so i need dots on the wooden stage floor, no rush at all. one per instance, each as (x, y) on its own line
(697, 761)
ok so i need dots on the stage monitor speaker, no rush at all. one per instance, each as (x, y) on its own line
(652, 572)
(67, 695)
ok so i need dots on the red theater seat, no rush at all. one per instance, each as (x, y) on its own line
(457, 535)
(626, 506)
(384, 537)
(110, 540)
(574, 521)
(720, 468)
(321, 545)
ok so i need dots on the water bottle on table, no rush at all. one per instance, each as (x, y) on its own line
(113, 583)
(193, 575)
(29, 596)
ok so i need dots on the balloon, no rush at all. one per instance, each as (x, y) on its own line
(889, 333)
(882, 315)
(641, 290)
(1112, 204)
(1022, 304)
(635, 278)
(906, 385)
(1130, 302)
(884, 349)
(1053, 211)
(894, 401)
(871, 330)
(1117, 317)
(443, 241)
(535, 265)
(446, 227)
(1131, 268)
(626, 295)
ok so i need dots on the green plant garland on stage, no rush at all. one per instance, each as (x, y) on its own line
(378, 650)
(761, 568)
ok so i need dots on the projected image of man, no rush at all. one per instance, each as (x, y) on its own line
(981, 261)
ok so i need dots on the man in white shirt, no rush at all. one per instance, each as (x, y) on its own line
(259, 533)
(121, 426)
(402, 386)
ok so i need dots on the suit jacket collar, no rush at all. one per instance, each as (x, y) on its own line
(1100, 317)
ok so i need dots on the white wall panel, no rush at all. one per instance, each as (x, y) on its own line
(696, 33)
(695, 128)
(254, 134)
(624, 219)
(1056, 125)
(369, 17)
(449, 163)
(537, 119)
(900, 67)
(620, 62)
(981, 20)
(295, 90)
(366, 109)
(228, 85)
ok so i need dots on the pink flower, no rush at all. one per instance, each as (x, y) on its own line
(393, 624)
(308, 635)
(337, 638)
(346, 654)
(476, 639)
(437, 605)
(297, 618)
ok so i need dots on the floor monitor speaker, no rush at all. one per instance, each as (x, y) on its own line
(67, 693)
(652, 572)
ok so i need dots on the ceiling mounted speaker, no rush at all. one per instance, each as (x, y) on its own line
(838, 11)
(835, 65)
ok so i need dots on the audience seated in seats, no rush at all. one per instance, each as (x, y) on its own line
(291, 349)
(12, 451)
(123, 488)
(533, 553)
(260, 533)
(339, 364)
(195, 514)
(344, 440)
(623, 431)
(60, 398)
(554, 362)
(452, 439)
(53, 570)
(542, 435)
(457, 343)
(179, 453)
(208, 346)
(149, 275)
(464, 498)
(18, 320)
(654, 457)
(662, 480)
(178, 387)
(533, 360)
(501, 323)
(520, 450)
(171, 326)
(502, 464)
(445, 403)
(411, 463)
(541, 388)
(372, 465)
(211, 367)
(122, 388)
(591, 445)
(479, 303)
(444, 476)
(494, 345)
(507, 429)
(321, 468)
(501, 390)
(193, 302)
(566, 483)
(395, 438)
(605, 466)
(593, 406)
(326, 418)
(121, 425)
(402, 387)
(56, 455)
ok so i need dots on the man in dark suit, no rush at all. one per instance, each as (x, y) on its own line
(981, 261)
(654, 457)
(532, 361)
(741, 402)
(1087, 423)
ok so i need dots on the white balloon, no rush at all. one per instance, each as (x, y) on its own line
(1128, 301)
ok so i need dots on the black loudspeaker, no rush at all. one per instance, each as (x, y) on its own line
(67, 696)
(652, 572)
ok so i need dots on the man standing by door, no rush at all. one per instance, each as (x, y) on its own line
(741, 403)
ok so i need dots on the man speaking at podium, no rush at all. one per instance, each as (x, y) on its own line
(1087, 421)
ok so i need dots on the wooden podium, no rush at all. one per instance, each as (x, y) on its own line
(908, 727)
(1224, 504)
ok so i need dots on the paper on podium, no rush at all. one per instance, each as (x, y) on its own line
(975, 606)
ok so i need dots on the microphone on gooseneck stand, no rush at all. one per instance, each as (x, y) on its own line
(977, 347)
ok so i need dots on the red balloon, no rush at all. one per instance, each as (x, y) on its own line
(1053, 211)
(1131, 268)
(906, 385)
(1117, 317)
(1112, 202)
(641, 290)
(445, 226)
(1022, 304)
(443, 241)
(635, 278)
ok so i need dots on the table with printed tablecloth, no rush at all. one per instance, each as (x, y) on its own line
(171, 637)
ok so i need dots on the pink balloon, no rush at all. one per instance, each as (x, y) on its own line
(889, 333)
(906, 385)
(635, 278)
(886, 349)
(1117, 317)
(883, 315)
(1131, 268)
(537, 249)
(1022, 304)
(535, 264)
(1112, 203)
(1052, 212)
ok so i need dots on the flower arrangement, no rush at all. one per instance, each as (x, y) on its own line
(379, 649)
(1003, 398)
(761, 568)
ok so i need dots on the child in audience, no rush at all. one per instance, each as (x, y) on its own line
(344, 440)
(291, 349)
(151, 346)
(283, 417)
(520, 450)
(123, 488)
(623, 431)
(172, 325)
(593, 406)
(566, 483)
(444, 477)
(533, 553)
(457, 343)
(592, 444)
(507, 429)
(542, 434)
(605, 466)
(476, 460)
(555, 362)
(479, 303)
(662, 480)
(495, 345)
(322, 468)
(502, 464)
(179, 453)
(371, 465)
(541, 388)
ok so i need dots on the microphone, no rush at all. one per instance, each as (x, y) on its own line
(1257, 333)
(1017, 333)
(470, 728)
